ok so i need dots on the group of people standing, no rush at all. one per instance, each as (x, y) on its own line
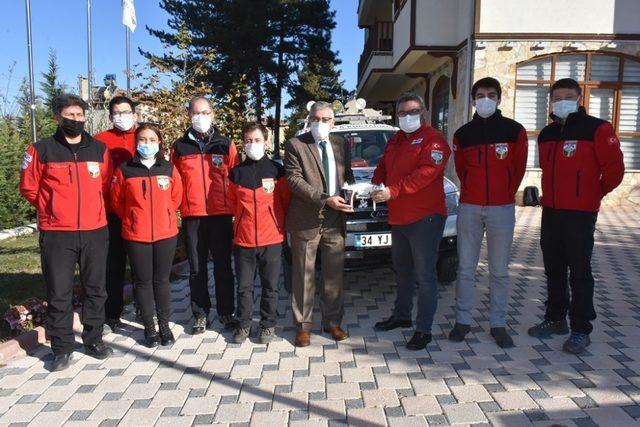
(116, 195)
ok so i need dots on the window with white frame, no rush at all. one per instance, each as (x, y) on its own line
(610, 89)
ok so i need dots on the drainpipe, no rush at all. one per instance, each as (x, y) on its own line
(470, 57)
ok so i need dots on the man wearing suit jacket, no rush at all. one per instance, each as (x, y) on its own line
(317, 165)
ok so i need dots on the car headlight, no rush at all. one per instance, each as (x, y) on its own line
(451, 201)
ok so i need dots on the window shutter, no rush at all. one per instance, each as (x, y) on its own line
(601, 104)
(630, 123)
(535, 70)
(604, 68)
(631, 71)
(571, 66)
(532, 111)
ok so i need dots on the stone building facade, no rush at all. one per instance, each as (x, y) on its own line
(419, 44)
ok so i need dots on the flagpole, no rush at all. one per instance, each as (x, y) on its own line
(89, 65)
(32, 97)
(128, 40)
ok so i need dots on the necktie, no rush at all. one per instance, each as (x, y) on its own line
(325, 164)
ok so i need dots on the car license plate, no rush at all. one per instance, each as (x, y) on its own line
(372, 240)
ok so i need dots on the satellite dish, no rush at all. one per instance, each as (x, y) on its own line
(337, 106)
(361, 104)
(310, 104)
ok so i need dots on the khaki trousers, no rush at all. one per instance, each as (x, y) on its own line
(330, 241)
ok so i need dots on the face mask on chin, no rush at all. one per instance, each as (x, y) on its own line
(320, 131)
(201, 123)
(563, 108)
(410, 123)
(71, 128)
(485, 107)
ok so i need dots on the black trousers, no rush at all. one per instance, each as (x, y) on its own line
(567, 245)
(151, 264)
(204, 235)
(60, 251)
(267, 261)
(116, 269)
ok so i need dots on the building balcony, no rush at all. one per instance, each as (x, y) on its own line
(379, 43)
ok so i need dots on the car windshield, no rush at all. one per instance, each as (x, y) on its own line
(367, 146)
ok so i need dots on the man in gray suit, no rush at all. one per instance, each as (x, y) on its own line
(317, 164)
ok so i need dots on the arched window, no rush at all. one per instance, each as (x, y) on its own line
(610, 88)
(440, 105)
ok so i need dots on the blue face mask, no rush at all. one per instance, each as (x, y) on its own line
(564, 107)
(148, 151)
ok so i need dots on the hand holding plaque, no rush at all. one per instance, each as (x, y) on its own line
(360, 191)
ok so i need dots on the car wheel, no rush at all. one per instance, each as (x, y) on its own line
(447, 268)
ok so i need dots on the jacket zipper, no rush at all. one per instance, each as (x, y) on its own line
(204, 182)
(255, 214)
(237, 224)
(553, 175)
(151, 203)
(486, 156)
(273, 216)
(224, 190)
(51, 206)
(169, 215)
(133, 221)
(578, 183)
(75, 160)
(101, 206)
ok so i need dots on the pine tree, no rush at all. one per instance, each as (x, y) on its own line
(51, 86)
(263, 40)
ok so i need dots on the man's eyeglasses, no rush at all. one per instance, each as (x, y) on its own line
(320, 119)
(122, 114)
(413, 112)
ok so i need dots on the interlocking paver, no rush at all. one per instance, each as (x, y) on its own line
(421, 405)
(371, 378)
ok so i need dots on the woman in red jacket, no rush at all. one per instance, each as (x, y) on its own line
(145, 193)
(258, 196)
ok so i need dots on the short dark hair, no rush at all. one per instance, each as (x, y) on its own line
(251, 126)
(566, 84)
(65, 100)
(486, 83)
(121, 100)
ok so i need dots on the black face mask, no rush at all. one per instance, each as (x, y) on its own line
(71, 128)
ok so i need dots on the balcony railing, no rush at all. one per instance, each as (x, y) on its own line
(380, 40)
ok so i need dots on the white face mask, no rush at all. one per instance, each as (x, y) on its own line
(254, 150)
(123, 122)
(410, 123)
(485, 107)
(565, 107)
(201, 123)
(320, 131)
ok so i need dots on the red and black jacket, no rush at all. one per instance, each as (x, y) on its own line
(490, 157)
(412, 167)
(121, 146)
(581, 162)
(259, 197)
(204, 172)
(67, 189)
(146, 199)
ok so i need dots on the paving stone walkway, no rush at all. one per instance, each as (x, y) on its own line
(369, 379)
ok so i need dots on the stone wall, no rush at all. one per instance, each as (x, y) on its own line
(496, 61)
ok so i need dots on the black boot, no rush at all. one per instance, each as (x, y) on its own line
(151, 338)
(166, 336)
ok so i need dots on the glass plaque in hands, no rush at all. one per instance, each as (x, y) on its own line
(358, 195)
